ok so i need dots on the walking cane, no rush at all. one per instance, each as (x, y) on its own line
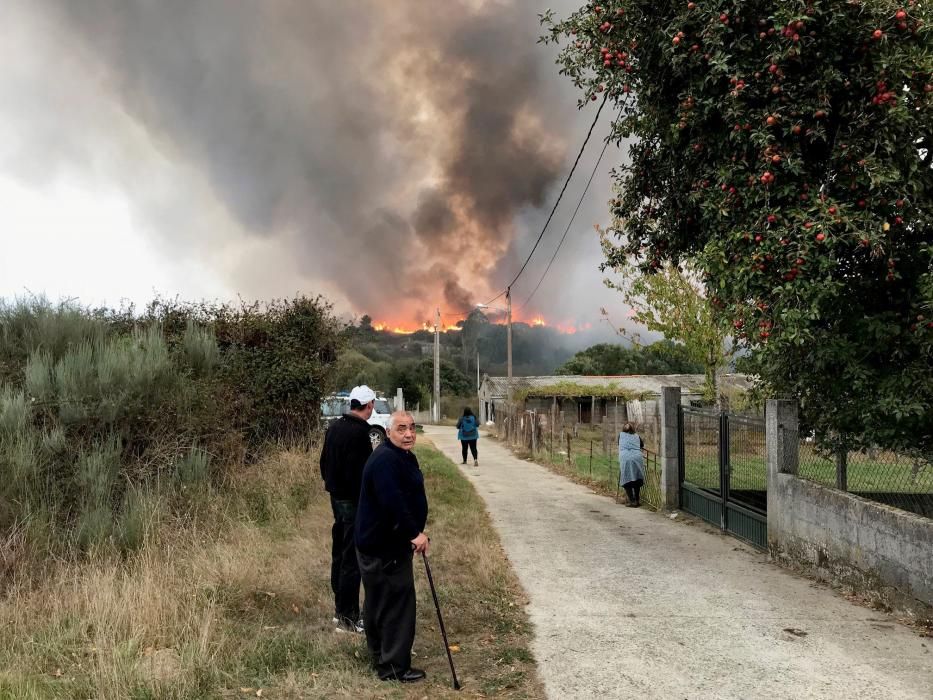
(440, 620)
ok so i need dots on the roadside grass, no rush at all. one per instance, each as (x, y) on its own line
(236, 599)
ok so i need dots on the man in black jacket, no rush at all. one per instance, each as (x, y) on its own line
(389, 531)
(346, 449)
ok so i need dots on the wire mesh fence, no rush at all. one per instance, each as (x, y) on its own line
(899, 480)
(701, 448)
(748, 462)
(588, 452)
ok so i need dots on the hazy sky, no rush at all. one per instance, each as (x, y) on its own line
(393, 155)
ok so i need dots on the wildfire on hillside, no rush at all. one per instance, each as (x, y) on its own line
(567, 328)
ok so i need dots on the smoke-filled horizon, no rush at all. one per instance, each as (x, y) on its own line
(394, 156)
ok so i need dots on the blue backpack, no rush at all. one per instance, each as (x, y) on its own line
(468, 428)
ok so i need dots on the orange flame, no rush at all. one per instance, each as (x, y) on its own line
(566, 327)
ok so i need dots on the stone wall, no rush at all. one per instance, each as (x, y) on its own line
(881, 552)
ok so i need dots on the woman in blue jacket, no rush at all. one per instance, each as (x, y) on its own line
(631, 465)
(468, 434)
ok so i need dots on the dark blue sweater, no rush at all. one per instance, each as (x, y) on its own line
(393, 506)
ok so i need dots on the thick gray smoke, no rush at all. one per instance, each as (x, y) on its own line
(398, 153)
(402, 137)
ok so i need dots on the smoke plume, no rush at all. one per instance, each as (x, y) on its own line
(392, 148)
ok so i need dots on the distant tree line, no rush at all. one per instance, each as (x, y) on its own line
(388, 360)
(662, 357)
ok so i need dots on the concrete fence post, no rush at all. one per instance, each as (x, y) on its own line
(782, 442)
(781, 437)
(670, 447)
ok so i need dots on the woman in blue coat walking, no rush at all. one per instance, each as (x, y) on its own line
(468, 434)
(631, 465)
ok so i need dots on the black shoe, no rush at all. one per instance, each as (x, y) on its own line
(412, 675)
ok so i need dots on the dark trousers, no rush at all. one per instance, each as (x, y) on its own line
(633, 490)
(471, 444)
(389, 616)
(344, 569)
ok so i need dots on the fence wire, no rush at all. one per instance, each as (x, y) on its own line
(701, 449)
(588, 451)
(899, 480)
(748, 462)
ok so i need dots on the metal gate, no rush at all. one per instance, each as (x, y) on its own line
(723, 472)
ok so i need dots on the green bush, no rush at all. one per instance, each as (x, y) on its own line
(201, 348)
(194, 467)
(277, 360)
(138, 513)
(30, 324)
(14, 412)
(100, 411)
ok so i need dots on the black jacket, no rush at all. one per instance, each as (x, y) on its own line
(393, 506)
(346, 449)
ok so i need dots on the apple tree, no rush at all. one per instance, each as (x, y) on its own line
(784, 150)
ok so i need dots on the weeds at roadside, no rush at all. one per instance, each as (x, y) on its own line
(237, 596)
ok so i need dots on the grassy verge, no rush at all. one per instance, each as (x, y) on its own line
(235, 602)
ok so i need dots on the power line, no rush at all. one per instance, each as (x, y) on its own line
(562, 190)
(498, 296)
(467, 312)
(569, 224)
(576, 161)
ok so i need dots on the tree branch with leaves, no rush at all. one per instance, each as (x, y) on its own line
(672, 301)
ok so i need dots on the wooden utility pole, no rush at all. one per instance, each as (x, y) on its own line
(437, 368)
(508, 342)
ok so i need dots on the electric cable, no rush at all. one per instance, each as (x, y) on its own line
(560, 195)
(569, 224)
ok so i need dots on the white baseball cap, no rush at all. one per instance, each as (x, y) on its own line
(363, 394)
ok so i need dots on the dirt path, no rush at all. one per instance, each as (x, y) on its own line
(629, 604)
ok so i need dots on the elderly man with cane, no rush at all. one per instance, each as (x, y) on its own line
(390, 522)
